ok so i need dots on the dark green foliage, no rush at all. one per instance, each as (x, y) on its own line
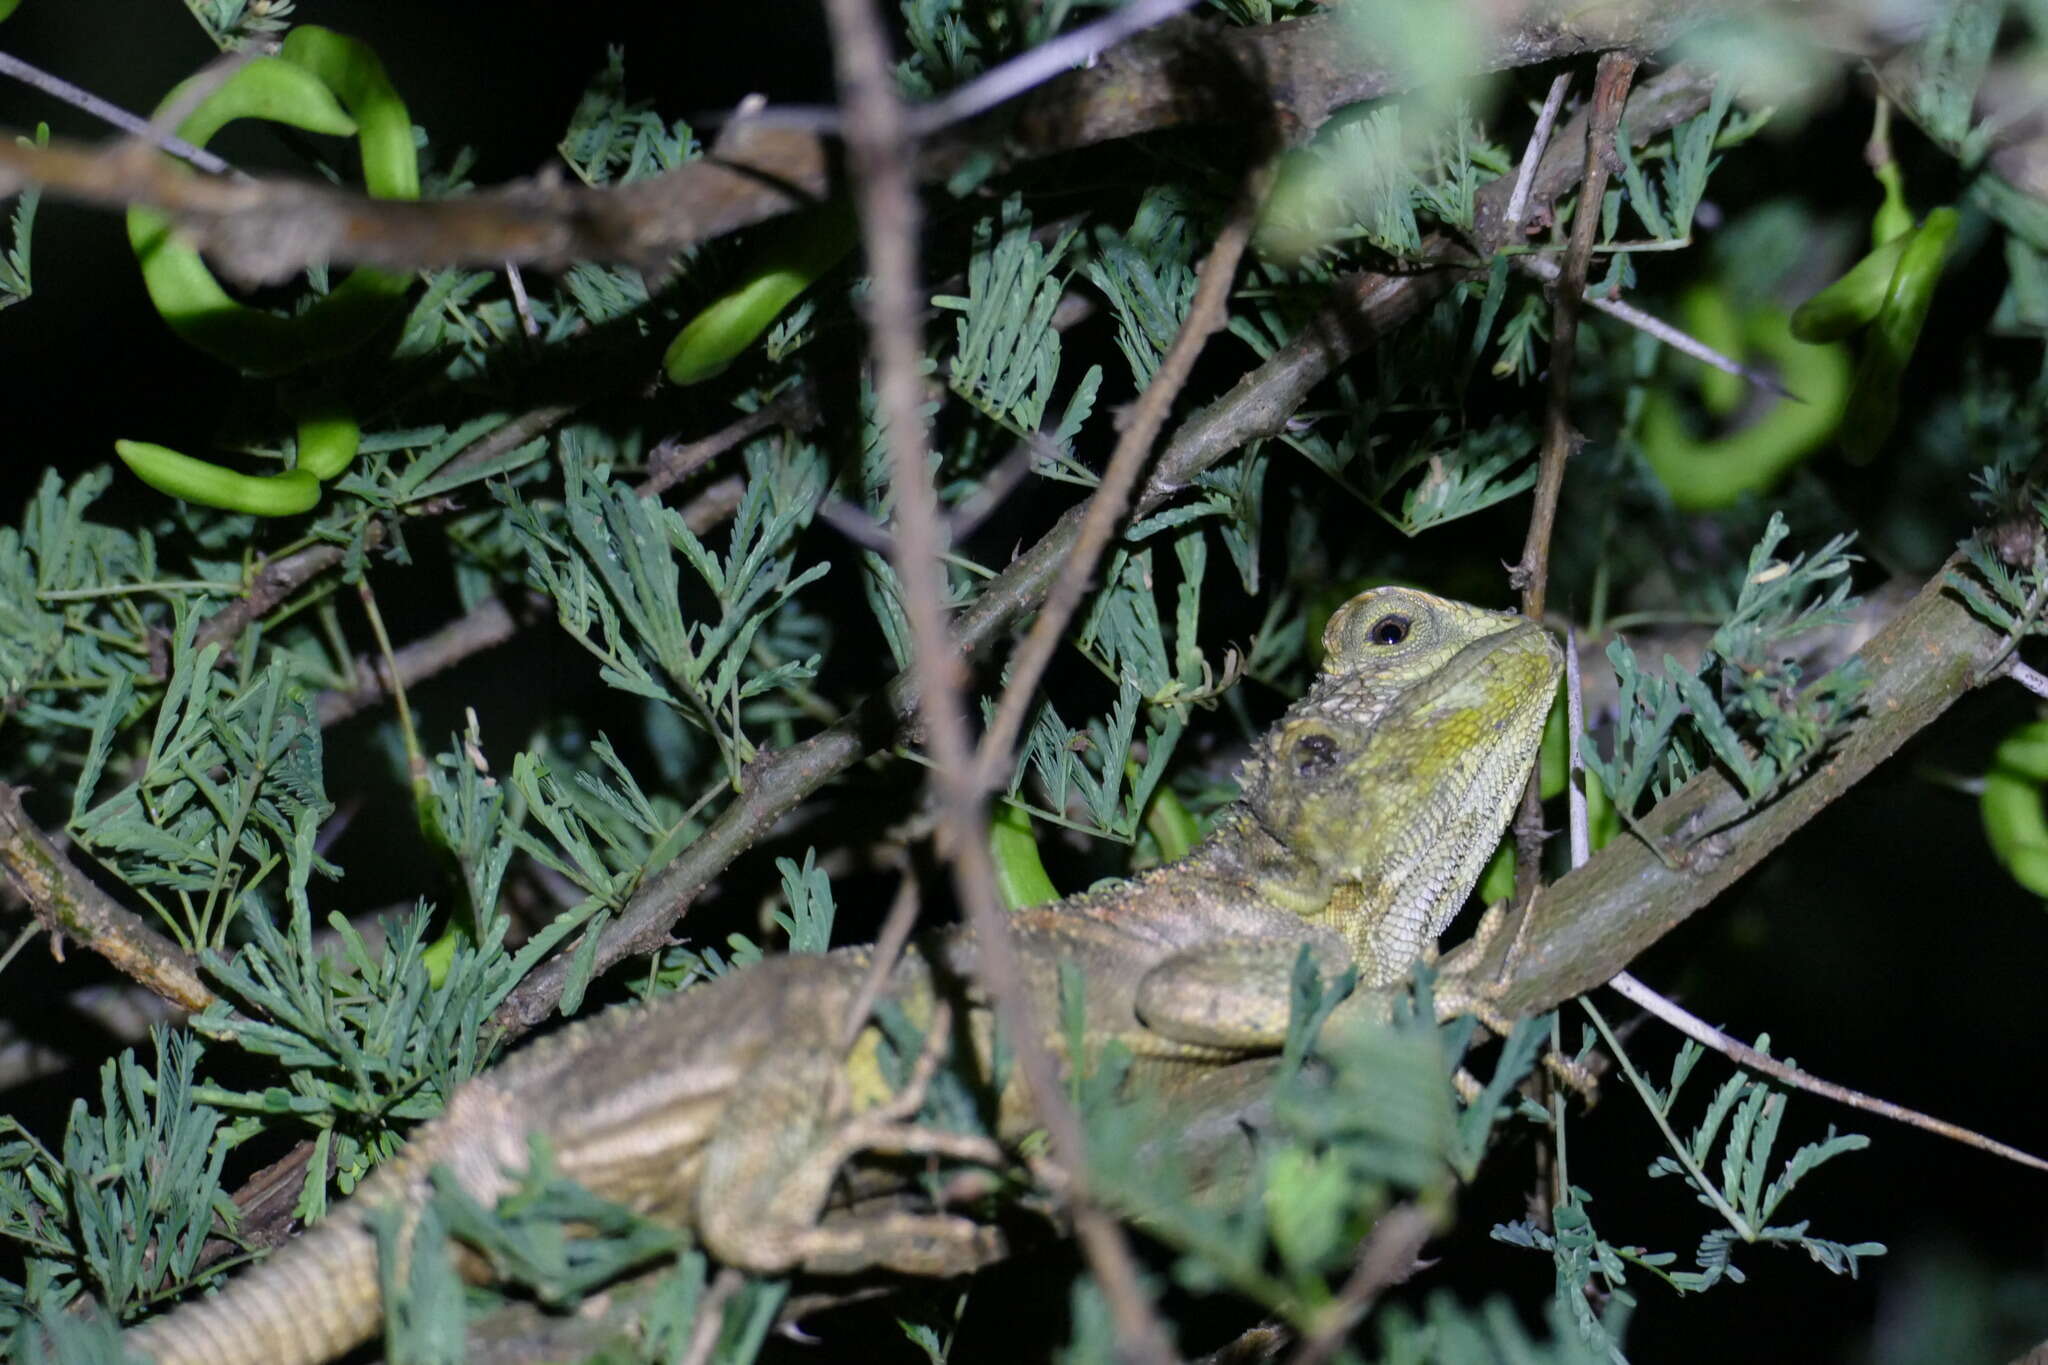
(15, 284)
(1746, 706)
(124, 1210)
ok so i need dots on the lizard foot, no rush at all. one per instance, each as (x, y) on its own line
(1464, 989)
(761, 1207)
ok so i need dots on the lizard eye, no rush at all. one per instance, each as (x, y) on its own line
(1390, 629)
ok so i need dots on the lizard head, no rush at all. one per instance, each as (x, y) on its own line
(1392, 779)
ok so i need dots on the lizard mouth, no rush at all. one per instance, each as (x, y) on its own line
(1489, 685)
(1525, 640)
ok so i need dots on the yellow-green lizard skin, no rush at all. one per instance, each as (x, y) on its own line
(1366, 815)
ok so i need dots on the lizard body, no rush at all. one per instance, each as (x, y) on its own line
(1366, 816)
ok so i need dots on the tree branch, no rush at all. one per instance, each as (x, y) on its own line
(1190, 72)
(1560, 438)
(1595, 921)
(70, 906)
(880, 148)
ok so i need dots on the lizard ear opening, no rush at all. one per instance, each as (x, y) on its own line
(1302, 769)
(1311, 753)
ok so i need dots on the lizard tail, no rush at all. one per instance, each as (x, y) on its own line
(320, 1295)
(308, 1303)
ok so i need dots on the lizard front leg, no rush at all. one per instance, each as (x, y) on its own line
(1234, 994)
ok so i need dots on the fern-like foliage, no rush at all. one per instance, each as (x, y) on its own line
(2008, 562)
(1373, 1121)
(1666, 206)
(1451, 473)
(1006, 357)
(15, 275)
(527, 1241)
(80, 603)
(1750, 1112)
(1747, 705)
(1742, 1121)
(124, 1211)
(1366, 177)
(611, 140)
(612, 563)
(1148, 276)
(231, 780)
(233, 23)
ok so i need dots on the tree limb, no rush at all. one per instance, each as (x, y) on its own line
(1593, 922)
(1190, 72)
(70, 906)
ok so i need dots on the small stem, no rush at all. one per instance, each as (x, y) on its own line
(21, 941)
(415, 757)
(1697, 1029)
(2030, 678)
(1532, 155)
(1704, 1186)
(114, 114)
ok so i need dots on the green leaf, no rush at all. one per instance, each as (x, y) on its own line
(1006, 356)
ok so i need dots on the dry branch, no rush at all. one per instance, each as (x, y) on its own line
(71, 907)
(1190, 72)
(1593, 922)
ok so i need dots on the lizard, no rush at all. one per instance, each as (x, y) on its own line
(1365, 817)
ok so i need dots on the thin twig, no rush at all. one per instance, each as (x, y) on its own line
(857, 524)
(195, 91)
(503, 440)
(1547, 270)
(710, 1322)
(1105, 511)
(1075, 48)
(896, 927)
(484, 626)
(415, 757)
(1387, 1259)
(521, 305)
(864, 529)
(1002, 480)
(2028, 677)
(671, 463)
(879, 148)
(1532, 155)
(1575, 762)
(1560, 439)
(21, 940)
(133, 125)
(1697, 1029)
(273, 582)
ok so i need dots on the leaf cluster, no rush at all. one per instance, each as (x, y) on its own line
(1747, 705)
